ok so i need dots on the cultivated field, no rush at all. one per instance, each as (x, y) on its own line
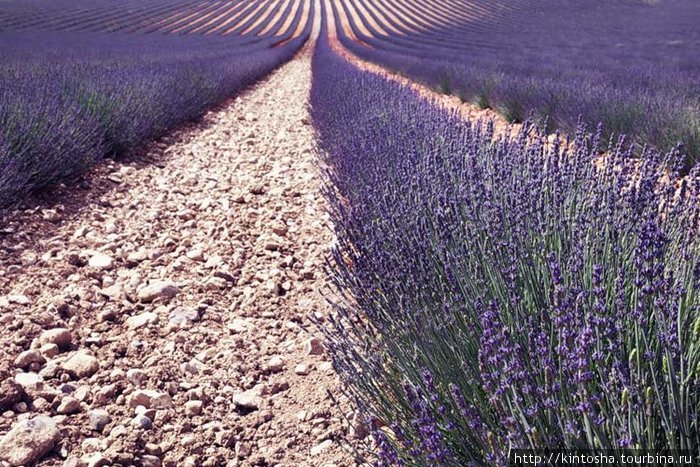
(348, 232)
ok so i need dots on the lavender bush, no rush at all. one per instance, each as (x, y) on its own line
(504, 293)
(70, 98)
(630, 64)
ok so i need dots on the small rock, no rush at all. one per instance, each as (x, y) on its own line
(29, 380)
(74, 462)
(225, 276)
(49, 350)
(150, 413)
(150, 399)
(29, 440)
(243, 449)
(28, 357)
(150, 461)
(82, 393)
(81, 364)
(113, 292)
(193, 408)
(62, 337)
(18, 299)
(40, 404)
(189, 367)
(96, 459)
(196, 254)
(11, 392)
(139, 321)
(248, 400)
(158, 289)
(137, 377)
(321, 448)
(280, 229)
(302, 369)
(68, 406)
(182, 315)
(275, 364)
(143, 422)
(153, 449)
(20, 407)
(238, 326)
(50, 215)
(101, 261)
(313, 346)
(137, 256)
(106, 315)
(99, 418)
(257, 190)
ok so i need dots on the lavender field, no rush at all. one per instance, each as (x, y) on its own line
(348, 232)
(85, 86)
(631, 65)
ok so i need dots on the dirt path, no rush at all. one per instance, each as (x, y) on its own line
(162, 316)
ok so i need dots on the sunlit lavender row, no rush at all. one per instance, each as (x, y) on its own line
(496, 295)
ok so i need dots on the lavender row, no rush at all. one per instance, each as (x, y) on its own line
(504, 293)
(631, 65)
(68, 99)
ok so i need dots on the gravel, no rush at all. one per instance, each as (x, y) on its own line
(165, 320)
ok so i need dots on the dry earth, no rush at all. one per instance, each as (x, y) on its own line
(161, 315)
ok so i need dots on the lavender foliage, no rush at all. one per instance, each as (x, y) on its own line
(505, 292)
(70, 95)
(631, 64)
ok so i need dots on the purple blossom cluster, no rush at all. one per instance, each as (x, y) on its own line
(71, 97)
(630, 64)
(505, 292)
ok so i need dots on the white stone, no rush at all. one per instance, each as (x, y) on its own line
(238, 326)
(183, 315)
(275, 364)
(68, 406)
(249, 400)
(81, 364)
(29, 440)
(139, 321)
(100, 261)
(321, 448)
(193, 408)
(150, 399)
(28, 357)
(99, 418)
(29, 380)
(158, 289)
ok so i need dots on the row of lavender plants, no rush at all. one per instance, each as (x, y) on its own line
(497, 293)
(174, 16)
(69, 99)
(632, 65)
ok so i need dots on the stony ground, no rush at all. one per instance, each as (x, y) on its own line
(160, 313)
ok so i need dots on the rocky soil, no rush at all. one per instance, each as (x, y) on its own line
(160, 313)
